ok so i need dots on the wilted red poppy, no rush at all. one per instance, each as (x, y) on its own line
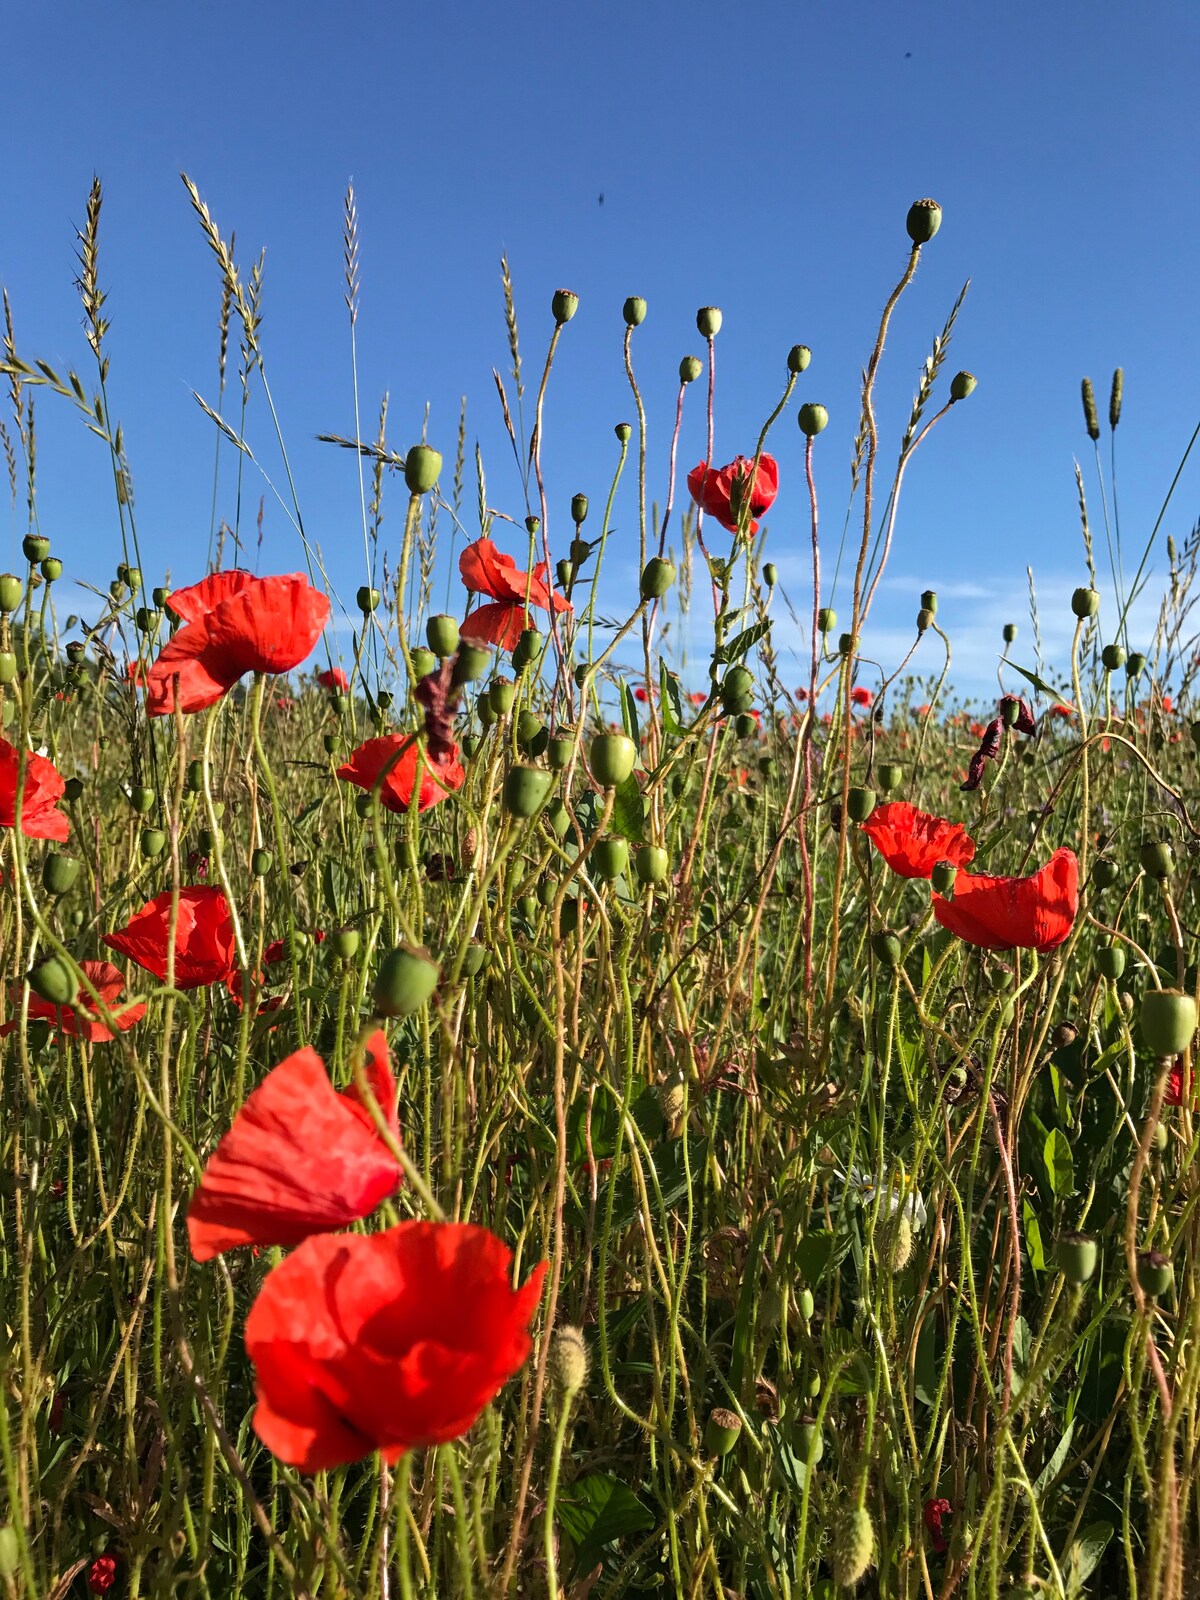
(333, 678)
(234, 624)
(82, 1020)
(102, 1574)
(388, 1341)
(299, 1159)
(43, 789)
(486, 570)
(912, 842)
(860, 696)
(204, 945)
(722, 492)
(934, 1513)
(1034, 913)
(369, 760)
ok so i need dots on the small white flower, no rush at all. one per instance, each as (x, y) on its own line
(902, 1194)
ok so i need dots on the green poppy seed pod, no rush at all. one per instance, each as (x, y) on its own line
(483, 709)
(368, 599)
(424, 663)
(581, 674)
(195, 775)
(1168, 1021)
(51, 569)
(471, 662)
(925, 619)
(929, 600)
(887, 948)
(745, 726)
(470, 744)
(563, 305)
(145, 619)
(1157, 858)
(737, 683)
(422, 468)
(569, 1360)
(812, 418)
(35, 547)
(501, 694)
(579, 508)
(1085, 603)
(363, 805)
(1114, 399)
(530, 728)
(54, 981)
(1195, 731)
(770, 574)
(8, 667)
(343, 943)
(826, 619)
(690, 369)
(657, 577)
(721, 1432)
(525, 790)
(888, 777)
(708, 320)
(475, 958)
(798, 358)
(11, 590)
(1110, 962)
(610, 857)
(860, 804)
(160, 596)
(59, 873)
(527, 648)
(962, 384)
(923, 220)
(564, 572)
(846, 643)
(532, 525)
(852, 1554)
(1135, 665)
(579, 552)
(141, 798)
(1077, 1255)
(1155, 1273)
(651, 864)
(624, 432)
(634, 311)
(1010, 711)
(1090, 417)
(611, 757)
(557, 818)
(942, 878)
(405, 981)
(1113, 656)
(73, 790)
(558, 751)
(1105, 873)
(262, 861)
(133, 577)
(1010, 632)
(384, 699)
(442, 633)
(809, 1444)
(546, 891)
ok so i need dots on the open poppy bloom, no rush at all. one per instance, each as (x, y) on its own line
(912, 842)
(82, 1020)
(486, 570)
(1033, 913)
(723, 492)
(388, 1341)
(299, 1159)
(43, 789)
(334, 678)
(233, 624)
(204, 945)
(860, 696)
(438, 779)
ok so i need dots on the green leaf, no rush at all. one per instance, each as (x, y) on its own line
(738, 646)
(1039, 684)
(628, 813)
(814, 1254)
(670, 699)
(596, 1511)
(1055, 1464)
(1060, 1164)
(1033, 1238)
(629, 714)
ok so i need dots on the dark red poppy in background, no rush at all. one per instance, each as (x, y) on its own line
(44, 786)
(299, 1159)
(721, 492)
(486, 570)
(860, 695)
(102, 1574)
(82, 1020)
(1033, 913)
(912, 842)
(438, 779)
(334, 678)
(204, 945)
(388, 1341)
(934, 1513)
(233, 624)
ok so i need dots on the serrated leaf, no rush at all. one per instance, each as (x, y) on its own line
(1060, 1164)
(628, 813)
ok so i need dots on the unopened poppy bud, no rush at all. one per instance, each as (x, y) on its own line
(1110, 962)
(962, 384)
(826, 619)
(579, 508)
(737, 684)
(1157, 858)
(1114, 399)
(925, 619)
(1010, 632)
(860, 804)
(1085, 603)
(1090, 417)
(59, 873)
(569, 1359)
(532, 734)
(424, 662)
(722, 1431)
(475, 958)
(1113, 656)
(798, 358)
(770, 574)
(581, 674)
(853, 1551)
(1168, 1021)
(422, 468)
(141, 798)
(405, 981)
(708, 320)
(11, 590)
(35, 547)
(634, 311)
(942, 878)
(657, 577)
(888, 776)
(812, 418)
(470, 663)
(442, 634)
(368, 599)
(51, 569)
(1155, 1273)
(1135, 665)
(8, 667)
(1077, 1255)
(887, 948)
(563, 305)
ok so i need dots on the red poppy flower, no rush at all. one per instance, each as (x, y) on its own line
(43, 789)
(641, 694)
(922, 711)
(102, 1574)
(1168, 704)
(1175, 1086)
(204, 943)
(369, 760)
(486, 570)
(860, 696)
(912, 842)
(299, 1159)
(1062, 710)
(82, 1020)
(334, 678)
(934, 1512)
(697, 698)
(801, 694)
(1034, 913)
(388, 1341)
(722, 492)
(234, 624)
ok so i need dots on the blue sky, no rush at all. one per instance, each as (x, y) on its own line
(760, 158)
